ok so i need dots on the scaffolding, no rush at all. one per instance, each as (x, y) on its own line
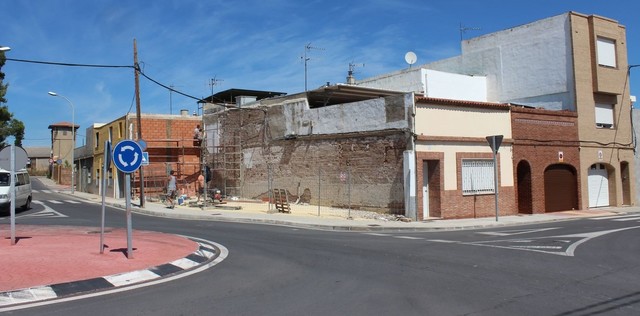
(181, 155)
(226, 160)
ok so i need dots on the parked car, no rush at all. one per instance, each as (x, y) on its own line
(22, 189)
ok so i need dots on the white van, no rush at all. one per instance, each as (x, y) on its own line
(23, 189)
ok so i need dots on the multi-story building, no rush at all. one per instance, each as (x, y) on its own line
(571, 62)
(62, 145)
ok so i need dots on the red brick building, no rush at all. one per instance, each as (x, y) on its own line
(546, 157)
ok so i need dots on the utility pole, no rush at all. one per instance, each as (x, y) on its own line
(138, 117)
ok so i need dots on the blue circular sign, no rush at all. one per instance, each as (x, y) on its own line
(127, 156)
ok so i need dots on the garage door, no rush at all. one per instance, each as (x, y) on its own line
(560, 188)
(598, 182)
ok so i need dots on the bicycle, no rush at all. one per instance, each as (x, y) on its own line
(168, 199)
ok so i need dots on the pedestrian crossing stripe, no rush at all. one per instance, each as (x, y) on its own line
(42, 191)
(54, 201)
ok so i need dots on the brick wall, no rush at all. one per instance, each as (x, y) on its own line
(313, 169)
(539, 136)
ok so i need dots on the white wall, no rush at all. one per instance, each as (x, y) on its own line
(363, 116)
(529, 64)
(455, 86)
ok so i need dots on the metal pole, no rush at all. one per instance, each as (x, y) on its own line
(495, 176)
(104, 193)
(12, 193)
(349, 191)
(319, 181)
(127, 187)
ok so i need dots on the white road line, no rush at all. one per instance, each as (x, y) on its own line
(444, 241)
(54, 202)
(377, 234)
(612, 217)
(626, 219)
(408, 237)
(72, 201)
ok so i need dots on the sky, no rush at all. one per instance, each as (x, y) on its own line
(244, 44)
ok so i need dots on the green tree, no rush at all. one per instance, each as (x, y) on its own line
(9, 126)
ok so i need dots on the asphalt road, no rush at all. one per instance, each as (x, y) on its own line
(581, 267)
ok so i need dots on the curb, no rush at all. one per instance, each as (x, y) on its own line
(208, 255)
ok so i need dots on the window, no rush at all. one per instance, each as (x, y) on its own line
(97, 144)
(606, 52)
(477, 176)
(110, 133)
(604, 115)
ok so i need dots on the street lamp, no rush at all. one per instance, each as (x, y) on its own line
(73, 139)
(5, 48)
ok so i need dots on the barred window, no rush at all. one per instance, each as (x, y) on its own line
(477, 176)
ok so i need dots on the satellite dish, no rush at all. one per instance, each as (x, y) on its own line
(410, 58)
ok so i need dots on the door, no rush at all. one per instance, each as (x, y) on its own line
(425, 189)
(560, 188)
(598, 183)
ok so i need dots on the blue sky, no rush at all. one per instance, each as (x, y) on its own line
(244, 44)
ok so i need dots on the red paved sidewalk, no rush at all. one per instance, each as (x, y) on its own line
(45, 255)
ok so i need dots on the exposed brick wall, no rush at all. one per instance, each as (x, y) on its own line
(171, 147)
(538, 138)
(310, 168)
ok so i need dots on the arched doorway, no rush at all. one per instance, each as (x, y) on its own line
(525, 201)
(598, 184)
(626, 183)
(560, 188)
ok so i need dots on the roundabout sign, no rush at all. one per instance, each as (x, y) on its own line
(127, 156)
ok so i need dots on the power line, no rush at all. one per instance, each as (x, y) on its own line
(67, 64)
(136, 67)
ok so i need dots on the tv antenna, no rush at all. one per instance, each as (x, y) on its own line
(464, 29)
(171, 98)
(214, 82)
(410, 58)
(307, 48)
(352, 68)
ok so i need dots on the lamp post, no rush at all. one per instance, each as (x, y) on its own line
(73, 139)
(5, 48)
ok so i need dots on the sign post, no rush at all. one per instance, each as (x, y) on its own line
(127, 157)
(495, 142)
(12, 159)
(105, 167)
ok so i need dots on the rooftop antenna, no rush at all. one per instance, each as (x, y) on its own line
(171, 98)
(464, 29)
(212, 83)
(410, 58)
(352, 67)
(307, 48)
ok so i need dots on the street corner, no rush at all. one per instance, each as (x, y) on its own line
(157, 258)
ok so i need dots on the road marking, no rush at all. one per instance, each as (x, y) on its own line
(48, 212)
(408, 237)
(626, 219)
(517, 231)
(377, 234)
(72, 201)
(444, 241)
(55, 202)
(580, 239)
(612, 217)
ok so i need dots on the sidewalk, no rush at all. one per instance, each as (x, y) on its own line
(307, 216)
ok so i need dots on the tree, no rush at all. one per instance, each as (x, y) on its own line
(9, 126)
